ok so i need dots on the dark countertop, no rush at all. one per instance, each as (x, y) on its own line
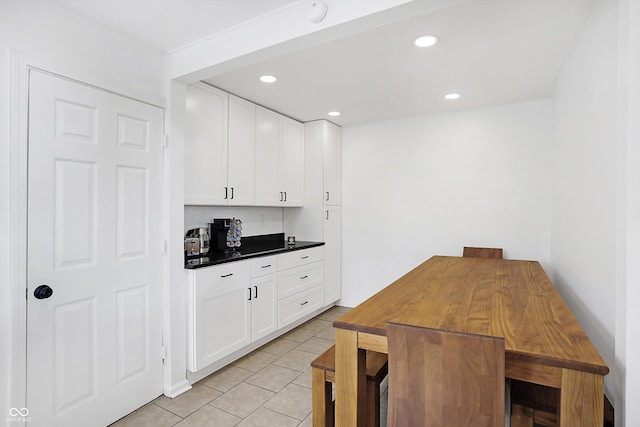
(251, 248)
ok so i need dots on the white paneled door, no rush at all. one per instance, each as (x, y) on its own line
(94, 319)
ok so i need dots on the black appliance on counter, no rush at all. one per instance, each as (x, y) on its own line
(218, 230)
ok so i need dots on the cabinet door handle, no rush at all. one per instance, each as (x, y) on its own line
(265, 266)
(304, 257)
(303, 303)
(326, 215)
(256, 295)
(226, 193)
(303, 277)
(327, 199)
(227, 275)
(249, 293)
(281, 196)
(285, 196)
(231, 193)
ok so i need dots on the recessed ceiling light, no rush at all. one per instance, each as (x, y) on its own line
(452, 96)
(334, 113)
(267, 79)
(425, 41)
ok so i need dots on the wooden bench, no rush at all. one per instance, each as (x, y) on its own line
(324, 374)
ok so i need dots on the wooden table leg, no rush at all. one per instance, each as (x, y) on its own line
(321, 401)
(350, 380)
(581, 399)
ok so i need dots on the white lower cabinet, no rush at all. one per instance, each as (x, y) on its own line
(263, 297)
(297, 306)
(237, 303)
(300, 284)
(220, 312)
(299, 278)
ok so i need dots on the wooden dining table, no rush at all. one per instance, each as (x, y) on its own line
(544, 343)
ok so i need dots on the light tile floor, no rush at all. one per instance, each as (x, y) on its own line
(269, 387)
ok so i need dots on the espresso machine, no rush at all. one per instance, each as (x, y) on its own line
(225, 234)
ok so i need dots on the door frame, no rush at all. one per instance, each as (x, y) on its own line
(20, 66)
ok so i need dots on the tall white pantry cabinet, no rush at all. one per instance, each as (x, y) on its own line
(320, 218)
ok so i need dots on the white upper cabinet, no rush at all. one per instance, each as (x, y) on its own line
(241, 155)
(279, 159)
(292, 161)
(205, 151)
(219, 148)
(268, 192)
(332, 153)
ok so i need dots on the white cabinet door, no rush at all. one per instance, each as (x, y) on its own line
(332, 153)
(333, 254)
(263, 306)
(241, 155)
(268, 192)
(279, 159)
(292, 161)
(205, 149)
(222, 321)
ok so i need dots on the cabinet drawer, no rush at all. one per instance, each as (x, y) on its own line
(297, 279)
(223, 275)
(264, 265)
(296, 306)
(301, 257)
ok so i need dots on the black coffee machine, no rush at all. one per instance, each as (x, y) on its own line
(218, 230)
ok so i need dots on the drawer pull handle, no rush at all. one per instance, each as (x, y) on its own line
(303, 277)
(227, 275)
(266, 266)
(304, 257)
(303, 303)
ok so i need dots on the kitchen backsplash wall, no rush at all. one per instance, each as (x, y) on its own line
(255, 220)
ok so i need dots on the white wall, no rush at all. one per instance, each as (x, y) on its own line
(584, 221)
(47, 35)
(426, 185)
(255, 220)
(628, 301)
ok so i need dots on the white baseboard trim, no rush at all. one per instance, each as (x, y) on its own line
(177, 389)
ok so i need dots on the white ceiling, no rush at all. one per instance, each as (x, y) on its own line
(493, 52)
(168, 24)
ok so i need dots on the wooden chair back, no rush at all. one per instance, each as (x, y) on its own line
(439, 378)
(471, 252)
